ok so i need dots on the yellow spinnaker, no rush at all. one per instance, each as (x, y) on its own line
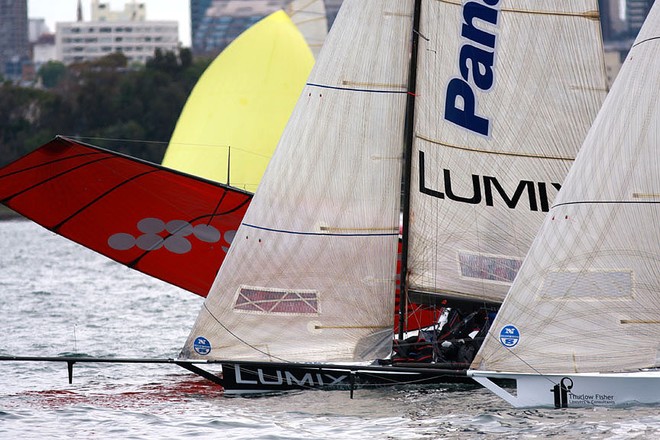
(240, 105)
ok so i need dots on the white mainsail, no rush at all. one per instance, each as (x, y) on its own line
(587, 298)
(310, 275)
(482, 177)
(310, 17)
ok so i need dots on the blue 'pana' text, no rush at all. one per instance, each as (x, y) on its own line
(476, 59)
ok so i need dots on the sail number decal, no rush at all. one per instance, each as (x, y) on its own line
(509, 336)
(202, 346)
(476, 60)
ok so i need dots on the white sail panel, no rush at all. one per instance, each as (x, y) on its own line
(310, 275)
(518, 84)
(587, 298)
(310, 17)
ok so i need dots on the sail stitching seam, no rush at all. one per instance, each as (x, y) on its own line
(352, 89)
(646, 40)
(330, 234)
(592, 15)
(609, 202)
(499, 153)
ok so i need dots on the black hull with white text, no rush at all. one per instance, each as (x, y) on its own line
(247, 377)
(262, 378)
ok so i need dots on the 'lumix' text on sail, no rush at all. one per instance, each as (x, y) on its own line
(485, 189)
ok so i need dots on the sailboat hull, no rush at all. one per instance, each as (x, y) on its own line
(266, 377)
(575, 390)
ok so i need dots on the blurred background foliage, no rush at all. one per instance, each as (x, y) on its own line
(132, 109)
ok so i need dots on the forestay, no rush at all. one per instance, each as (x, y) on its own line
(506, 93)
(310, 275)
(587, 297)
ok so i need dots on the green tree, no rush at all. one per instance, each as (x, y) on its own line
(131, 109)
(30, 117)
(51, 73)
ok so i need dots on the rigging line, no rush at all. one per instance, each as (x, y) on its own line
(303, 8)
(240, 339)
(490, 333)
(354, 89)
(143, 141)
(199, 144)
(592, 15)
(420, 34)
(213, 183)
(609, 202)
(191, 144)
(646, 40)
(218, 146)
(330, 234)
(497, 153)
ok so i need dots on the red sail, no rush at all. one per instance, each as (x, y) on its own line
(166, 224)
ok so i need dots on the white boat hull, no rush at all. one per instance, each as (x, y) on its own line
(575, 390)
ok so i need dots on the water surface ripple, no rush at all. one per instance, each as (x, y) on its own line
(58, 298)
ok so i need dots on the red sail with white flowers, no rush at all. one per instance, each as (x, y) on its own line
(166, 224)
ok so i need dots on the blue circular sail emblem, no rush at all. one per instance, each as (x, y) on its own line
(509, 336)
(202, 346)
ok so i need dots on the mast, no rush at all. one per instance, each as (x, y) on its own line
(409, 139)
(307, 231)
(478, 199)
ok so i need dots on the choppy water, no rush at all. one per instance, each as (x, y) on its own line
(58, 298)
